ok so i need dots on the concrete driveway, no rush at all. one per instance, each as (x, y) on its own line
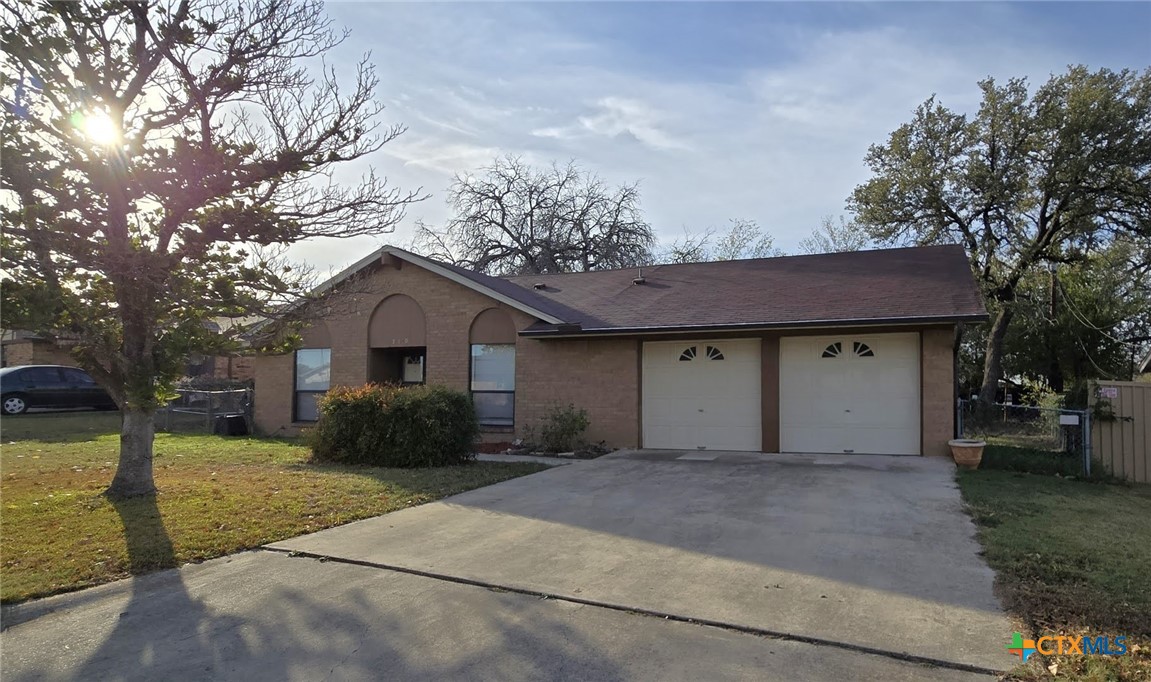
(869, 552)
(798, 567)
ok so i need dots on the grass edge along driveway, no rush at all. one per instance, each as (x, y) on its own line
(1071, 558)
(217, 496)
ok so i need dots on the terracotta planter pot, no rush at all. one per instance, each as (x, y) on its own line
(967, 453)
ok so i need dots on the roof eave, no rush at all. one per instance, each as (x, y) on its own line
(757, 326)
(438, 269)
(431, 266)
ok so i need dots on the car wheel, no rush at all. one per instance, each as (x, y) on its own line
(14, 404)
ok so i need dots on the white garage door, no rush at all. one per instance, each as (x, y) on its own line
(850, 393)
(702, 395)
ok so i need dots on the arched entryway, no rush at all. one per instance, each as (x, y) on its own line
(397, 341)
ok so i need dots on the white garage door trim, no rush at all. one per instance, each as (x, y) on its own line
(853, 393)
(702, 394)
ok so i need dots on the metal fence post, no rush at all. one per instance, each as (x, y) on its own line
(959, 417)
(1087, 441)
(249, 417)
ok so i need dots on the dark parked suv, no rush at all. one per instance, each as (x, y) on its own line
(50, 386)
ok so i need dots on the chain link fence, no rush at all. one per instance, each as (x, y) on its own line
(227, 412)
(1034, 437)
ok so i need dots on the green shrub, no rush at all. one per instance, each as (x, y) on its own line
(392, 426)
(563, 428)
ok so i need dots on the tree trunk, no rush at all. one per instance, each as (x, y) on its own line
(993, 359)
(134, 471)
(1054, 373)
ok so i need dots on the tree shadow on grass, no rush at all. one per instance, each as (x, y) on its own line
(162, 630)
(268, 616)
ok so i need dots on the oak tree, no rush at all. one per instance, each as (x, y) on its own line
(1052, 176)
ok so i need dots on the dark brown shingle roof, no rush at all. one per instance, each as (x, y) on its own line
(932, 283)
(525, 295)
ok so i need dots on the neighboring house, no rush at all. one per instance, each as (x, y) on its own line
(224, 367)
(848, 352)
(21, 347)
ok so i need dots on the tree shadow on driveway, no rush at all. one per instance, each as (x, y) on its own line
(261, 615)
(868, 551)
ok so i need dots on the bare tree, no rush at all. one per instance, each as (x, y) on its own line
(511, 218)
(744, 239)
(835, 237)
(157, 157)
(692, 247)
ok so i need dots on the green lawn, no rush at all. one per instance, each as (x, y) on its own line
(217, 496)
(1034, 461)
(1073, 557)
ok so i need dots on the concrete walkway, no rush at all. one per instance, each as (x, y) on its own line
(872, 552)
(550, 461)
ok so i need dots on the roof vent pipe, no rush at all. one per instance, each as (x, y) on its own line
(639, 279)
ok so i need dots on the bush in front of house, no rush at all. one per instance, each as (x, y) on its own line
(562, 428)
(393, 426)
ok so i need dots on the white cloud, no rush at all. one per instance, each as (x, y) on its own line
(616, 117)
(778, 137)
(443, 157)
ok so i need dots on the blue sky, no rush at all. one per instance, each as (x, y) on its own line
(757, 110)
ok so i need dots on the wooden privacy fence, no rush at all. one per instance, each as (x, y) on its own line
(1121, 428)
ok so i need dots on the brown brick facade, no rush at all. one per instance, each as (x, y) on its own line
(938, 390)
(597, 375)
(35, 352)
(601, 375)
(236, 368)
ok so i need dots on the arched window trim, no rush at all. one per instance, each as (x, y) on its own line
(492, 371)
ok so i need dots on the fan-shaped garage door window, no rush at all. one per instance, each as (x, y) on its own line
(833, 351)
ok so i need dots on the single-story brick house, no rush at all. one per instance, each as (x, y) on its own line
(833, 353)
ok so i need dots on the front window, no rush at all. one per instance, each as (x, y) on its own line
(494, 383)
(313, 379)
